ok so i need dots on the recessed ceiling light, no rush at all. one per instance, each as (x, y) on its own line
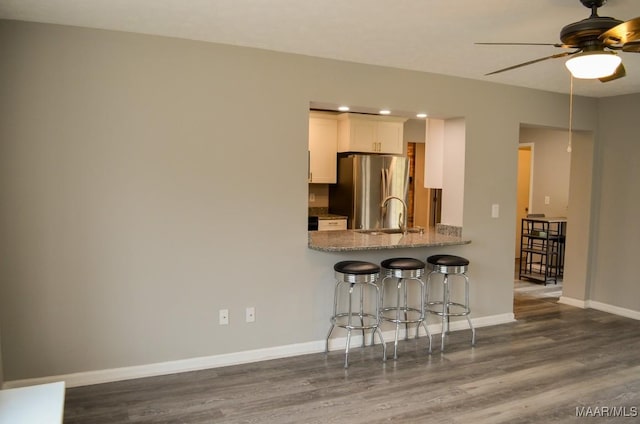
(421, 115)
(343, 108)
(385, 112)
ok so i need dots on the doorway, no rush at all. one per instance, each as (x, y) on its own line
(561, 186)
(543, 179)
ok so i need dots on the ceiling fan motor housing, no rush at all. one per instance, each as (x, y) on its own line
(586, 32)
(593, 3)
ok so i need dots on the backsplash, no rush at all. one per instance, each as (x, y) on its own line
(449, 230)
(317, 211)
(318, 195)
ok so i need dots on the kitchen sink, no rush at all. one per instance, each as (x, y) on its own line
(380, 231)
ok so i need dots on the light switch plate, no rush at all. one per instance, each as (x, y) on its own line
(495, 210)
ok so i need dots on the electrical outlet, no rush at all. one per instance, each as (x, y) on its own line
(250, 314)
(223, 315)
(312, 197)
(547, 200)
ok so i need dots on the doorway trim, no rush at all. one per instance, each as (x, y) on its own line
(533, 158)
(530, 147)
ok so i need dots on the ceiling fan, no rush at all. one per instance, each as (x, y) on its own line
(594, 39)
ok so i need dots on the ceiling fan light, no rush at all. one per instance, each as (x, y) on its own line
(591, 65)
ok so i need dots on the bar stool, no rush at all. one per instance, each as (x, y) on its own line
(360, 276)
(449, 265)
(402, 271)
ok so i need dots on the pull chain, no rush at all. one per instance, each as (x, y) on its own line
(570, 115)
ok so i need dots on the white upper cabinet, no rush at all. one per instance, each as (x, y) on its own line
(323, 143)
(370, 134)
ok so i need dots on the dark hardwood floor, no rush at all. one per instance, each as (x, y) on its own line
(554, 360)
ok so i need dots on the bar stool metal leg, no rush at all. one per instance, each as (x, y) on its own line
(398, 320)
(377, 328)
(446, 312)
(361, 314)
(466, 302)
(405, 309)
(356, 275)
(403, 271)
(350, 327)
(423, 317)
(333, 317)
(448, 266)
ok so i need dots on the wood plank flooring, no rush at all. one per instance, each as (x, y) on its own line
(554, 359)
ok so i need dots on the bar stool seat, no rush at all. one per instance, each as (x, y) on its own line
(449, 265)
(357, 270)
(401, 271)
(356, 276)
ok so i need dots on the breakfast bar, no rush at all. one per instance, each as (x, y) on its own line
(390, 299)
(357, 240)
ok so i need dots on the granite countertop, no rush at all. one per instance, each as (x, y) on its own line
(331, 216)
(350, 240)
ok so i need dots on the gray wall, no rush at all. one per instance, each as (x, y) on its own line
(551, 169)
(576, 269)
(137, 201)
(617, 234)
(414, 131)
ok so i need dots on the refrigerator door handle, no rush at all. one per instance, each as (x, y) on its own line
(384, 192)
(385, 184)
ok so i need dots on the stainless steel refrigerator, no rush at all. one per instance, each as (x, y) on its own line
(364, 182)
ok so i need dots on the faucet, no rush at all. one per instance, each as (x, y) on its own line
(403, 225)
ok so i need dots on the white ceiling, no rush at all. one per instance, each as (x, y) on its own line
(426, 35)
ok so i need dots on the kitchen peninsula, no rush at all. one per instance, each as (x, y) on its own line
(352, 240)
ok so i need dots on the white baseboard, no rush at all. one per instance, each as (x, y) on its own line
(193, 364)
(493, 320)
(338, 343)
(573, 302)
(616, 310)
(461, 324)
(172, 367)
(604, 307)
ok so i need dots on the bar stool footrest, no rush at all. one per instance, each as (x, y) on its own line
(341, 320)
(408, 310)
(465, 311)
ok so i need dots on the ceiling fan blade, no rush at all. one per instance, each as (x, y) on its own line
(564, 46)
(623, 33)
(631, 46)
(619, 73)
(555, 56)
